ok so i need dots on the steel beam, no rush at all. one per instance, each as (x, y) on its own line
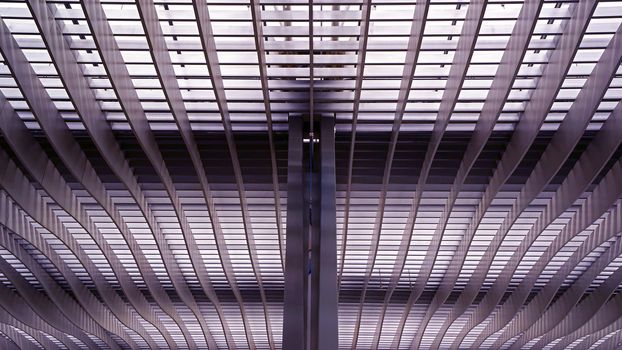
(16, 340)
(296, 264)
(128, 98)
(27, 197)
(602, 324)
(526, 131)
(168, 80)
(412, 54)
(457, 74)
(211, 57)
(36, 161)
(95, 121)
(55, 302)
(324, 327)
(265, 91)
(563, 143)
(569, 312)
(495, 99)
(43, 319)
(358, 88)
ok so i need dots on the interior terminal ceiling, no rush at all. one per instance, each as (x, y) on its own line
(382, 174)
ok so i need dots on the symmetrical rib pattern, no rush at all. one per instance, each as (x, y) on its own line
(143, 170)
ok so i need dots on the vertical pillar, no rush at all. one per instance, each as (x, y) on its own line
(325, 331)
(310, 314)
(295, 298)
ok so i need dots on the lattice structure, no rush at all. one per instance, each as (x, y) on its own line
(144, 170)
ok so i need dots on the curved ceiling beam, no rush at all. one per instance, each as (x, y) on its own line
(47, 322)
(27, 197)
(575, 313)
(211, 58)
(457, 75)
(499, 90)
(611, 342)
(412, 54)
(558, 150)
(524, 134)
(356, 104)
(42, 333)
(96, 321)
(16, 340)
(35, 160)
(265, 92)
(601, 325)
(612, 310)
(580, 177)
(96, 124)
(130, 103)
(606, 142)
(66, 311)
(168, 80)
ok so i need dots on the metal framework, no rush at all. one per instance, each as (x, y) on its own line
(322, 174)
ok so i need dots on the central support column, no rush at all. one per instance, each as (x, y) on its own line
(310, 306)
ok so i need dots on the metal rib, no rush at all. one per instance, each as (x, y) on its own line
(20, 189)
(412, 54)
(358, 88)
(499, 90)
(86, 307)
(17, 341)
(524, 134)
(95, 122)
(43, 170)
(613, 341)
(606, 142)
(40, 331)
(58, 306)
(567, 314)
(608, 320)
(263, 76)
(130, 103)
(211, 58)
(168, 80)
(15, 221)
(9, 339)
(574, 185)
(603, 323)
(580, 221)
(42, 319)
(457, 73)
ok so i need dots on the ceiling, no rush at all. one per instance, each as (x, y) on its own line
(144, 154)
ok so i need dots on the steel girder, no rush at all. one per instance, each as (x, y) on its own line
(499, 90)
(120, 79)
(43, 319)
(296, 269)
(211, 58)
(457, 74)
(59, 303)
(412, 54)
(523, 136)
(265, 91)
(358, 87)
(25, 195)
(571, 129)
(601, 325)
(19, 340)
(34, 157)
